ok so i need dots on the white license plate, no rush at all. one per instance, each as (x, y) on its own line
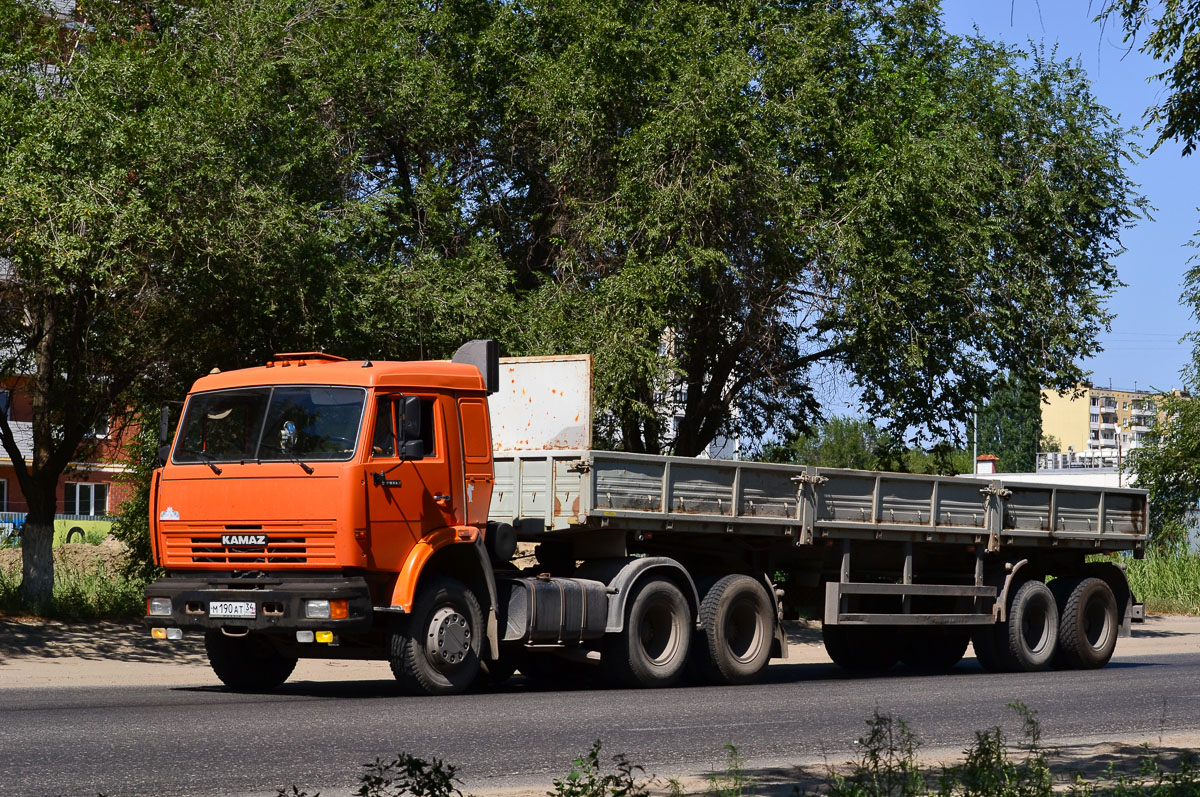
(232, 609)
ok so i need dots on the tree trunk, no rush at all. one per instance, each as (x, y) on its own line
(37, 564)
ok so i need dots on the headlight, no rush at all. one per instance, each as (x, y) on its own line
(159, 607)
(316, 610)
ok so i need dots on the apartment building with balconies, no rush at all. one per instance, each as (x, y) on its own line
(1099, 418)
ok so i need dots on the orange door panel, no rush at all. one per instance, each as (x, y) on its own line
(407, 499)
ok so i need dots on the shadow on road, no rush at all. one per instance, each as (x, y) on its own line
(127, 642)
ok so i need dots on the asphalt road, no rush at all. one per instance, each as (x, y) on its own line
(142, 740)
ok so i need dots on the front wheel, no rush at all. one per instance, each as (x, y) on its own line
(248, 663)
(653, 648)
(437, 651)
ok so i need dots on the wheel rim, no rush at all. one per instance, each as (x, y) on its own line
(660, 633)
(1035, 628)
(448, 640)
(743, 630)
(1097, 623)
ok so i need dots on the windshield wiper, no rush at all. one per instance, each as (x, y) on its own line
(206, 457)
(307, 468)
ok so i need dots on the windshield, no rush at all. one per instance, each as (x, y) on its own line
(263, 424)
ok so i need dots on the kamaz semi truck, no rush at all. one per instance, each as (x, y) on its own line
(320, 507)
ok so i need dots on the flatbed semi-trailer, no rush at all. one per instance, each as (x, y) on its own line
(322, 508)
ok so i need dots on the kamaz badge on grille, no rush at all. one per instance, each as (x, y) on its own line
(243, 539)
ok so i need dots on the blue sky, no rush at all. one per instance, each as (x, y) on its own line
(1143, 349)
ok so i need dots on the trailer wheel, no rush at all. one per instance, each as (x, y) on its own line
(1087, 626)
(933, 649)
(437, 651)
(734, 641)
(653, 648)
(861, 648)
(249, 663)
(1032, 627)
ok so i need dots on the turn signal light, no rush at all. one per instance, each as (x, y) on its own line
(339, 610)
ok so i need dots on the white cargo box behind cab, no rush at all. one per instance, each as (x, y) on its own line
(543, 404)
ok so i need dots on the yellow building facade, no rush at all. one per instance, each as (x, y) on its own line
(1098, 418)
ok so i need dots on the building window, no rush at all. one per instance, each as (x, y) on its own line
(6, 403)
(3, 495)
(80, 498)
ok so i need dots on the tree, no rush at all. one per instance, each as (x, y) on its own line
(1168, 465)
(836, 443)
(1173, 37)
(164, 207)
(724, 200)
(1010, 425)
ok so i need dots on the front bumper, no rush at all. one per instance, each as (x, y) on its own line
(278, 602)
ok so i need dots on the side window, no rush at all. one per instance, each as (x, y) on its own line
(383, 442)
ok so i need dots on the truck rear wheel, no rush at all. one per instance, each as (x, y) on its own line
(861, 648)
(933, 649)
(437, 651)
(734, 641)
(249, 663)
(1028, 640)
(653, 648)
(1087, 625)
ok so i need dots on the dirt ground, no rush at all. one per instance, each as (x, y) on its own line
(36, 653)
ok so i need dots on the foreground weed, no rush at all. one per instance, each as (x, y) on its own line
(886, 765)
(586, 779)
(403, 776)
(734, 781)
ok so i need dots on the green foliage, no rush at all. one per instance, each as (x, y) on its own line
(132, 526)
(840, 442)
(404, 776)
(886, 764)
(586, 779)
(734, 781)
(1010, 424)
(1168, 465)
(1171, 36)
(1167, 580)
(758, 193)
(81, 594)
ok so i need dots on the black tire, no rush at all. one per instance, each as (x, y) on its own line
(653, 648)
(75, 530)
(250, 663)
(494, 673)
(1031, 632)
(862, 648)
(991, 648)
(733, 644)
(1087, 625)
(933, 649)
(436, 652)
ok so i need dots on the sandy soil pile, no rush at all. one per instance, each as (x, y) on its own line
(74, 558)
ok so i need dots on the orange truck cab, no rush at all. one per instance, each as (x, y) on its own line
(304, 499)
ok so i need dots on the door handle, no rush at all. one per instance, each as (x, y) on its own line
(442, 499)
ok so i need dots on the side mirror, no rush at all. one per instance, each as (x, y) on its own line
(164, 425)
(164, 451)
(409, 429)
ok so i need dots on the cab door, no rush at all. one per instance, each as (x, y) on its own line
(407, 498)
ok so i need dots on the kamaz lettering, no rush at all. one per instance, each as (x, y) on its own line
(243, 539)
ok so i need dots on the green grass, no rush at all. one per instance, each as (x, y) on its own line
(85, 593)
(94, 531)
(1168, 583)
